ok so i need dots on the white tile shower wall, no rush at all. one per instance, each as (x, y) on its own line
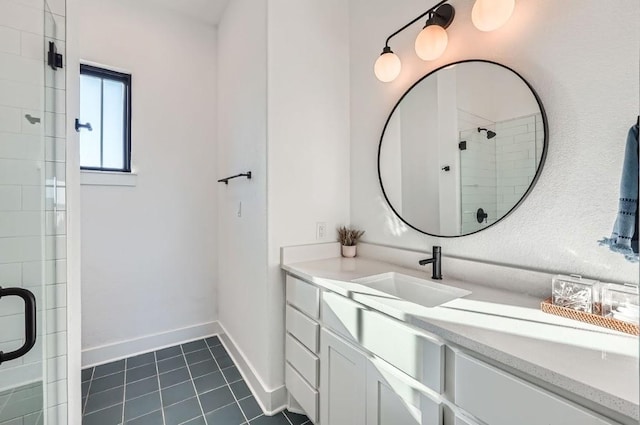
(32, 194)
(478, 179)
(516, 158)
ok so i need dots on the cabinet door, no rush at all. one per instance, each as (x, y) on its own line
(395, 400)
(460, 420)
(415, 352)
(499, 398)
(343, 376)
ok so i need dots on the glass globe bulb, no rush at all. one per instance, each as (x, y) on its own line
(489, 15)
(387, 67)
(431, 42)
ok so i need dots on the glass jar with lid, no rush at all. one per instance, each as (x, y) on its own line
(575, 293)
(621, 302)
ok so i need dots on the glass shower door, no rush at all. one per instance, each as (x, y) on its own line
(478, 180)
(32, 217)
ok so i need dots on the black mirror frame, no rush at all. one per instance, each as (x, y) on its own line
(543, 158)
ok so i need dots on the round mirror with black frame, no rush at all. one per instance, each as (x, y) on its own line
(462, 148)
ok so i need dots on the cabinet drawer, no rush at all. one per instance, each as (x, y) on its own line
(304, 296)
(414, 352)
(304, 329)
(341, 315)
(499, 398)
(299, 389)
(305, 362)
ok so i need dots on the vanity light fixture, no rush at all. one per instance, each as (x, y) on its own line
(432, 40)
(430, 44)
(487, 15)
(388, 66)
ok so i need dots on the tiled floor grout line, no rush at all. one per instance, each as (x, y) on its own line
(225, 380)
(193, 384)
(155, 360)
(6, 403)
(84, 406)
(180, 367)
(124, 389)
(106, 407)
(120, 371)
(287, 418)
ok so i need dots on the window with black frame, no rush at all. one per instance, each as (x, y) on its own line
(105, 113)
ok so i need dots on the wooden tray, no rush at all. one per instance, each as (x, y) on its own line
(594, 319)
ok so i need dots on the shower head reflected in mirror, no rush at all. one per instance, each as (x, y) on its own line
(490, 134)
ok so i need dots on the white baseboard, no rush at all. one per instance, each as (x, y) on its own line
(123, 349)
(271, 401)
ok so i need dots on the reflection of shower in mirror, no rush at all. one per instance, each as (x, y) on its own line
(490, 134)
(485, 123)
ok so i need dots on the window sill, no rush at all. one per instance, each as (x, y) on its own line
(107, 178)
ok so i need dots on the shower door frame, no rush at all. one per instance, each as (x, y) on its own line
(74, 303)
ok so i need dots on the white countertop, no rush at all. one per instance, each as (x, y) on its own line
(594, 363)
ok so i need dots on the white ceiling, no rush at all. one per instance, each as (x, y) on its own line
(209, 11)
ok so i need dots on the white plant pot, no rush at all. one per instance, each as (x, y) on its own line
(349, 251)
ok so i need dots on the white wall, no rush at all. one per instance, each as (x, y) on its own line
(420, 157)
(308, 138)
(242, 135)
(448, 153)
(284, 115)
(149, 252)
(492, 92)
(589, 86)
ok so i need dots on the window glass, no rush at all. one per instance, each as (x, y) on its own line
(113, 125)
(90, 104)
(105, 104)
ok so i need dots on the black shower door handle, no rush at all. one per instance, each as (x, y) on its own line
(29, 322)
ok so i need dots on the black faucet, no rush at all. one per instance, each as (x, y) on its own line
(436, 261)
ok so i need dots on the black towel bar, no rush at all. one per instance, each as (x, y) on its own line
(226, 179)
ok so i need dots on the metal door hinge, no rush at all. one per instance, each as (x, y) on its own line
(54, 59)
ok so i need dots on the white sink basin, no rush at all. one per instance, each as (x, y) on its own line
(409, 288)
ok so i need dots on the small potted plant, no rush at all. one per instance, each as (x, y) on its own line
(349, 238)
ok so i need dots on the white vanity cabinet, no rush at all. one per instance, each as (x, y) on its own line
(349, 364)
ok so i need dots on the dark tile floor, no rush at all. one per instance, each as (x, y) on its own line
(195, 383)
(22, 405)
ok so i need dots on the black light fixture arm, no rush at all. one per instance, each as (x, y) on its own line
(431, 10)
